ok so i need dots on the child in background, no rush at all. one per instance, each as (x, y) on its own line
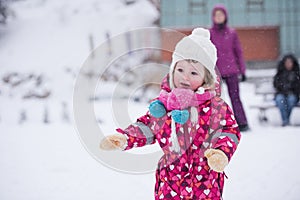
(287, 85)
(194, 127)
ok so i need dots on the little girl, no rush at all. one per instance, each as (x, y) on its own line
(194, 127)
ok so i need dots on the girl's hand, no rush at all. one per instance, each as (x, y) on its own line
(217, 159)
(113, 142)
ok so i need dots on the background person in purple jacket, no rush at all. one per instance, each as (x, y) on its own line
(230, 60)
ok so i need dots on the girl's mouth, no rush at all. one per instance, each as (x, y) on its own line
(185, 85)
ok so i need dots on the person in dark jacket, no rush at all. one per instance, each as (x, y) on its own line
(230, 61)
(287, 85)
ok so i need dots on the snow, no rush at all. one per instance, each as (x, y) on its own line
(265, 163)
(48, 161)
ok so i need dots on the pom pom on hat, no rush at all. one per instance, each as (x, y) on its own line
(201, 32)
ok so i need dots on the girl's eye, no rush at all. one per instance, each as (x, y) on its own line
(194, 73)
(180, 70)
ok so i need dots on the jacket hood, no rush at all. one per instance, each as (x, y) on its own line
(165, 85)
(281, 65)
(223, 9)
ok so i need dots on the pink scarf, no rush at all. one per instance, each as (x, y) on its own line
(180, 98)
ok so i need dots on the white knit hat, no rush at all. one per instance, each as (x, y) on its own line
(198, 47)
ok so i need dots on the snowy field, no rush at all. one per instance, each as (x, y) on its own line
(48, 161)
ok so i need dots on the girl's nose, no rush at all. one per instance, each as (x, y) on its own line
(186, 76)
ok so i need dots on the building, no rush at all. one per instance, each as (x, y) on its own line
(267, 28)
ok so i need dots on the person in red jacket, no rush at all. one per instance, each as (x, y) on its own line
(194, 127)
(230, 61)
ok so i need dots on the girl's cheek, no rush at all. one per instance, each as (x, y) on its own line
(197, 82)
(198, 79)
(175, 76)
(176, 79)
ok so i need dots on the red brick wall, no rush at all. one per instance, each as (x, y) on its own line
(258, 43)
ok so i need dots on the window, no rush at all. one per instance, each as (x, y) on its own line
(197, 6)
(255, 5)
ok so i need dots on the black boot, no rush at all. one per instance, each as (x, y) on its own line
(244, 127)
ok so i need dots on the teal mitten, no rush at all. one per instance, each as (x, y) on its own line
(157, 109)
(180, 116)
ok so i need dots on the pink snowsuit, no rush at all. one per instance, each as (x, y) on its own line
(186, 175)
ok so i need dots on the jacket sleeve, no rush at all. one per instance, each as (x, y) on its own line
(139, 133)
(238, 53)
(296, 84)
(277, 83)
(227, 136)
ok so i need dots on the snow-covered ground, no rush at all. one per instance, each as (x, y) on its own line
(48, 161)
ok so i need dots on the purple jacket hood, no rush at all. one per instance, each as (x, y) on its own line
(223, 9)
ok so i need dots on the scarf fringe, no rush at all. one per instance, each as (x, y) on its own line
(194, 115)
(175, 144)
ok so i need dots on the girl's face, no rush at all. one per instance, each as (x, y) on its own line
(219, 17)
(288, 64)
(189, 75)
